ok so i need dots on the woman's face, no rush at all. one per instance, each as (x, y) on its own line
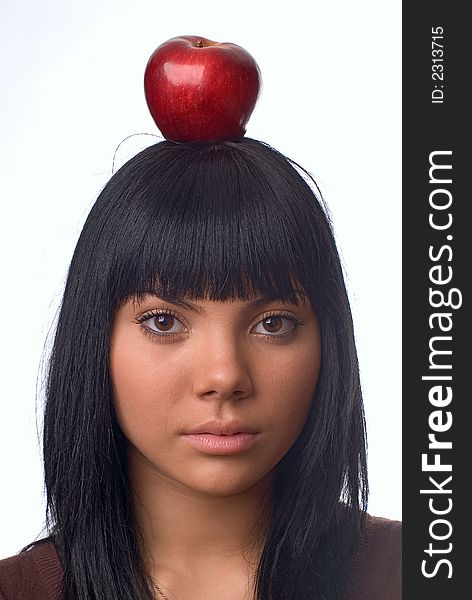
(212, 394)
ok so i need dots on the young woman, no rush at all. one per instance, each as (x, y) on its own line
(204, 433)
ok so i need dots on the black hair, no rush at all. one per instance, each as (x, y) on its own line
(220, 221)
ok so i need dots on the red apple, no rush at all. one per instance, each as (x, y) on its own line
(200, 90)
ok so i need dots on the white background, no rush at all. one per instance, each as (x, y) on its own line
(71, 76)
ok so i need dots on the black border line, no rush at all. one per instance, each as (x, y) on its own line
(429, 127)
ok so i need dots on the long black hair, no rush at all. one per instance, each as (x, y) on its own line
(219, 221)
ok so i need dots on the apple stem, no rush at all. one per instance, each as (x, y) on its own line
(199, 44)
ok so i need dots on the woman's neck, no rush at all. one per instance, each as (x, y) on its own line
(188, 531)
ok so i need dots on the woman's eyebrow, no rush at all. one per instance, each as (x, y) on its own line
(180, 302)
(269, 298)
(248, 306)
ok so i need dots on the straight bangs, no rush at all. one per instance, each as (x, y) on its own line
(207, 221)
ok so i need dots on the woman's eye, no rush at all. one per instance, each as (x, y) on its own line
(169, 326)
(163, 323)
(276, 325)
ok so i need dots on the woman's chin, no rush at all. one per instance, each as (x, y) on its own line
(222, 482)
(218, 478)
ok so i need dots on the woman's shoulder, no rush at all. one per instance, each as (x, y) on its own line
(34, 573)
(377, 565)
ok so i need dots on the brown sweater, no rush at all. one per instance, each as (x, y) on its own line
(376, 573)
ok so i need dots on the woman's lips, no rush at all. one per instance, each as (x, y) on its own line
(210, 443)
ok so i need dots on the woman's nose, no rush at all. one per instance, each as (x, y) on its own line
(222, 368)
